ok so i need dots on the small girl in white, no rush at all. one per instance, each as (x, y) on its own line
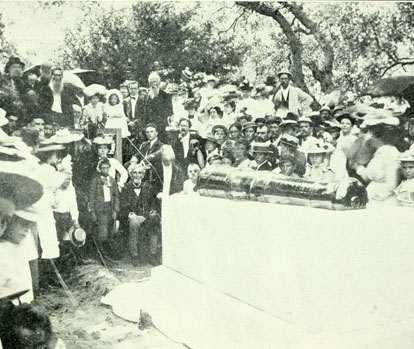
(114, 112)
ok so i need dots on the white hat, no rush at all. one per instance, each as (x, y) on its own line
(392, 121)
(211, 78)
(94, 89)
(63, 136)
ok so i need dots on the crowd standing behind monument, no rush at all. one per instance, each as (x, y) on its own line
(170, 132)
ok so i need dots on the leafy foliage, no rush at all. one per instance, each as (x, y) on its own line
(133, 40)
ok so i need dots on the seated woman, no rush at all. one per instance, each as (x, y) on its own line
(382, 171)
(138, 203)
(405, 191)
(318, 167)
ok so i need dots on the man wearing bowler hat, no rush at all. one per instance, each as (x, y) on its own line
(289, 98)
(261, 154)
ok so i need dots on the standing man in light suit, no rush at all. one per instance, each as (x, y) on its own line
(289, 98)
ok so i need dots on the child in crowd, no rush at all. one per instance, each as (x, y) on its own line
(104, 205)
(405, 191)
(286, 167)
(114, 113)
(318, 168)
(103, 144)
(193, 171)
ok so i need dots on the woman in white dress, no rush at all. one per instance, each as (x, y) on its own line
(114, 113)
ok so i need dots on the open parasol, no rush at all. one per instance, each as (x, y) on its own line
(400, 86)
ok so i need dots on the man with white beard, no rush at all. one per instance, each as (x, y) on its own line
(160, 107)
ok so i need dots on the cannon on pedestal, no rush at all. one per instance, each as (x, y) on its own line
(230, 183)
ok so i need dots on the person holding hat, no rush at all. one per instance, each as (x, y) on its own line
(318, 166)
(382, 171)
(286, 167)
(305, 131)
(289, 98)
(261, 153)
(404, 193)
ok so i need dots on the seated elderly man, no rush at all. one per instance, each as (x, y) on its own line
(138, 213)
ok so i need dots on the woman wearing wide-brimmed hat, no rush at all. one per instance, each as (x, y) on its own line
(318, 166)
(382, 171)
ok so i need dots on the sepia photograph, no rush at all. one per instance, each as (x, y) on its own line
(206, 174)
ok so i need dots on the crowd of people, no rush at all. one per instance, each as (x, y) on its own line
(66, 196)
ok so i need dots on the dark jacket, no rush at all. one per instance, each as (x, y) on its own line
(141, 204)
(68, 98)
(178, 148)
(265, 166)
(96, 195)
(158, 110)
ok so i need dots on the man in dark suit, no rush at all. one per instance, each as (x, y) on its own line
(261, 154)
(135, 109)
(138, 213)
(159, 107)
(186, 145)
(56, 100)
(148, 153)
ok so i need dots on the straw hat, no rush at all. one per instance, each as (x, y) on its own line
(103, 140)
(289, 140)
(407, 156)
(77, 236)
(305, 119)
(263, 148)
(63, 136)
(318, 147)
(284, 71)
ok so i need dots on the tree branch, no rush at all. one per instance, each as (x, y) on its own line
(233, 25)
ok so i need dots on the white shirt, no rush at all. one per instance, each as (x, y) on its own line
(65, 201)
(285, 93)
(186, 144)
(133, 100)
(117, 167)
(57, 102)
(167, 171)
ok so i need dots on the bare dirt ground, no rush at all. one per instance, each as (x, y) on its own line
(91, 324)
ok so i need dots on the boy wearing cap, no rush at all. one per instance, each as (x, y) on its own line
(104, 205)
(405, 191)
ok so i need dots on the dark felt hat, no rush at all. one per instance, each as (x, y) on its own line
(13, 60)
